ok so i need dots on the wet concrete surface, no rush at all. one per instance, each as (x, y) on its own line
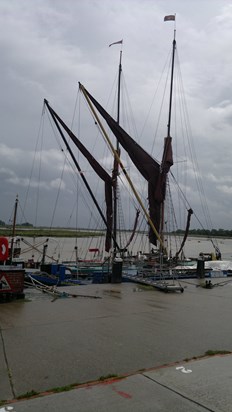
(46, 344)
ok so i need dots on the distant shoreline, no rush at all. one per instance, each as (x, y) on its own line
(77, 233)
(46, 232)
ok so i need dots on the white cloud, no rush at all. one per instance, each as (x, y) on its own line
(57, 183)
(225, 189)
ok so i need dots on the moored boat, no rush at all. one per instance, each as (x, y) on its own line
(53, 274)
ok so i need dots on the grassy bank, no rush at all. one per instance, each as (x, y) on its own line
(46, 232)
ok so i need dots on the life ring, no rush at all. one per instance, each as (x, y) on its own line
(4, 248)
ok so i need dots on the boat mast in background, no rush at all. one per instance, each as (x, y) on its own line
(13, 230)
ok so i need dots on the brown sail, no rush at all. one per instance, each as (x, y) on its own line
(150, 169)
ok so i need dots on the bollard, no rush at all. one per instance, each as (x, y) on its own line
(116, 276)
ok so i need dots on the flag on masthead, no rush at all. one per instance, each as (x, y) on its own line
(117, 42)
(170, 17)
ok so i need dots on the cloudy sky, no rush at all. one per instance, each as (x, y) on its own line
(48, 46)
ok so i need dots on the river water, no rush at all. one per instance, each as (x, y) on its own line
(63, 249)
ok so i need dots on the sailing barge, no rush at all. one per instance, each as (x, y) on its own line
(155, 173)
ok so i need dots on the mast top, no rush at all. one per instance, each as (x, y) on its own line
(174, 36)
(172, 17)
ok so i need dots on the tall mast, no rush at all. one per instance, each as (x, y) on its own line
(115, 171)
(119, 89)
(169, 121)
(13, 229)
(171, 85)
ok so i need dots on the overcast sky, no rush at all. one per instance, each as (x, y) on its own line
(47, 47)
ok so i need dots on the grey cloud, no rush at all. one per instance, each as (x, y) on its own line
(47, 47)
